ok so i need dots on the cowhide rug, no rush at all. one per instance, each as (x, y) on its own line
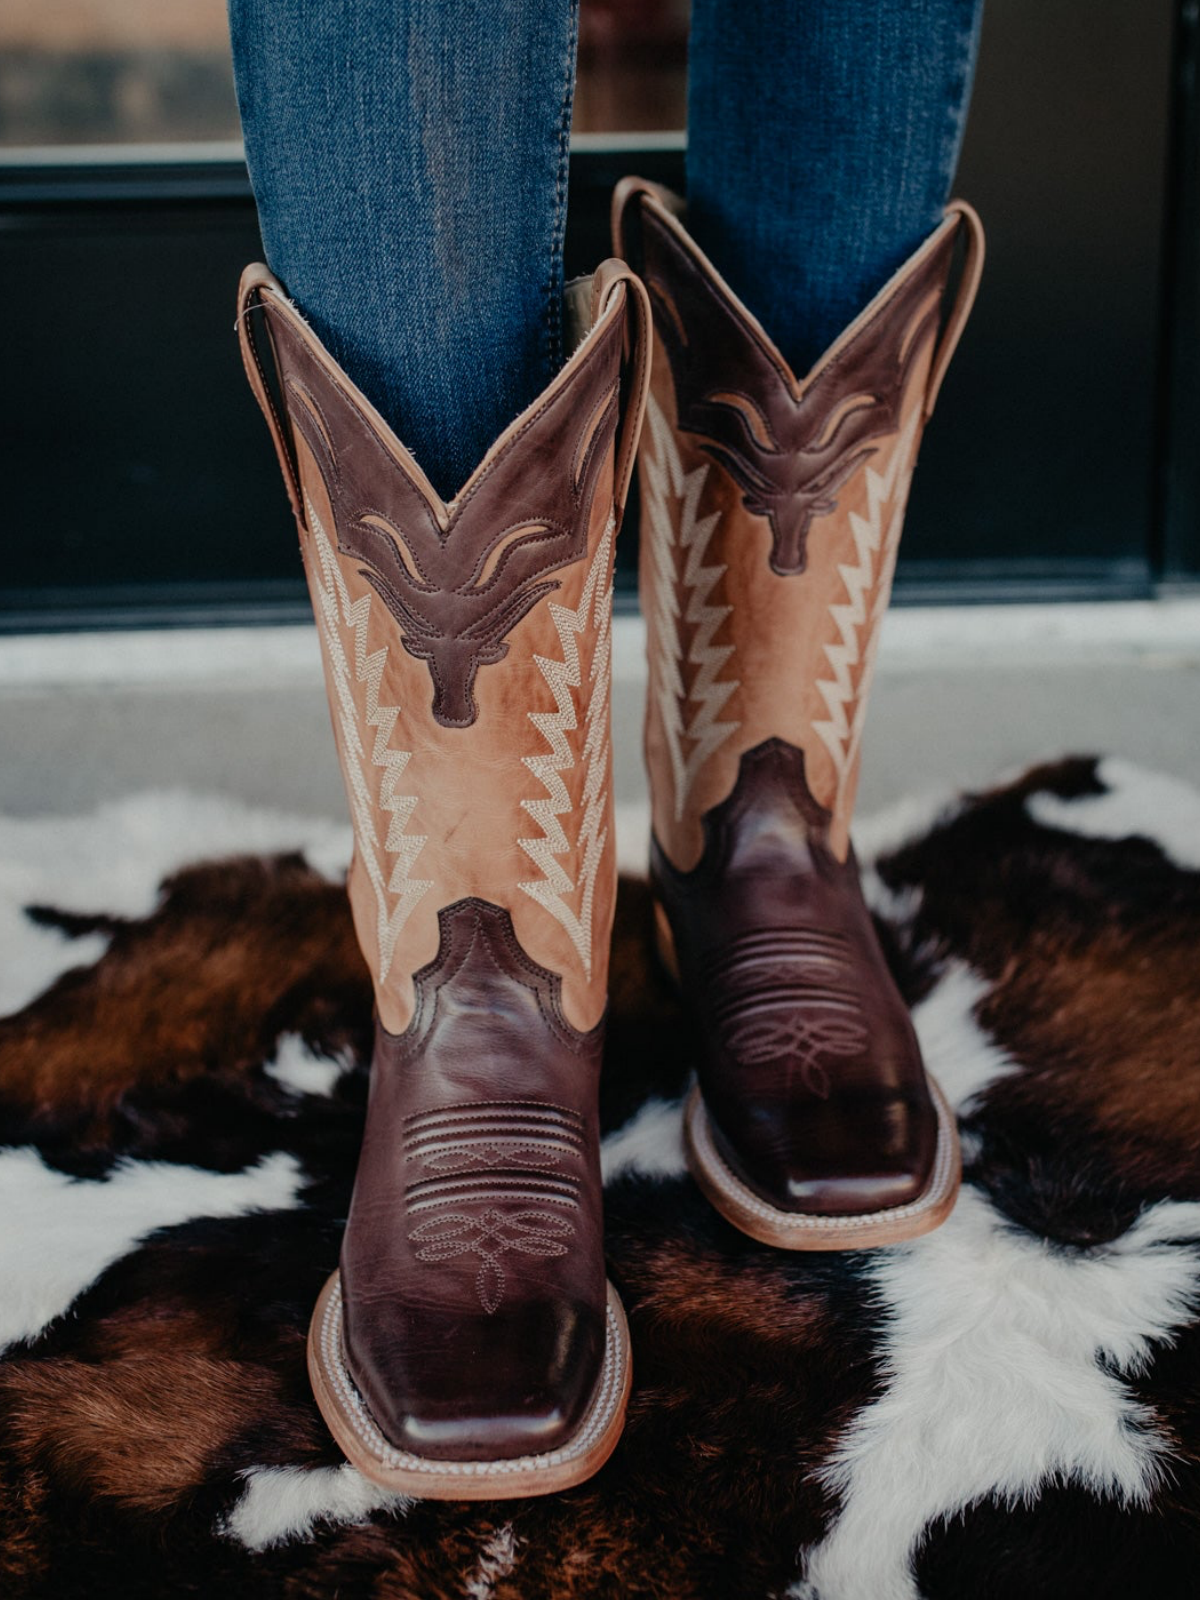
(1009, 1407)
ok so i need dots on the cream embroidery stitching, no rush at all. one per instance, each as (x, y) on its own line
(490, 1236)
(485, 1154)
(791, 998)
(564, 677)
(665, 478)
(841, 734)
(335, 611)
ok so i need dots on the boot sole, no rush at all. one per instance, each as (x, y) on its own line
(796, 1230)
(518, 1478)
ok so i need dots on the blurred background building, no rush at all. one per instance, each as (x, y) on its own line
(137, 72)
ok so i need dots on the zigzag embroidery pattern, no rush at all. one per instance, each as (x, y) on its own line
(335, 611)
(842, 733)
(664, 477)
(564, 677)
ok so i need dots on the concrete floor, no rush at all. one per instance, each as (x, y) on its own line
(960, 695)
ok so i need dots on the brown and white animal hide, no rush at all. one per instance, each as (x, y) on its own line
(1009, 1407)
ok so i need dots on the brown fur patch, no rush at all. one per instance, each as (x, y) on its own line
(235, 954)
(141, 1429)
(1114, 1041)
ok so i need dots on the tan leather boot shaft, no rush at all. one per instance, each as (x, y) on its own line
(466, 648)
(468, 1344)
(771, 515)
(772, 508)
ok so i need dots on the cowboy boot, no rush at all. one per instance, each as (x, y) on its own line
(469, 1345)
(771, 514)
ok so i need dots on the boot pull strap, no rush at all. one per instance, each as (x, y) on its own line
(626, 192)
(255, 279)
(963, 301)
(613, 278)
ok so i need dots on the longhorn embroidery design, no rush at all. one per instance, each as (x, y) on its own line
(789, 451)
(459, 578)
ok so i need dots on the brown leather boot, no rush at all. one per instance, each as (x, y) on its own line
(771, 515)
(469, 1346)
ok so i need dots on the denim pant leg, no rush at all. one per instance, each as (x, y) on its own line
(409, 160)
(822, 141)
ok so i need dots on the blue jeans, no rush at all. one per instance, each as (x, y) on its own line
(409, 160)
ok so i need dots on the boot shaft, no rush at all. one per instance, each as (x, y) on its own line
(772, 508)
(466, 645)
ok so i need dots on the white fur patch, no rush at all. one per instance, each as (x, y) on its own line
(113, 859)
(956, 1050)
(497, 1558)
(1138, 804)
(897, 906)
(651, 1143)
(1003, 1358)
(283, 1503)
(302, 1070)
(61, 1233)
